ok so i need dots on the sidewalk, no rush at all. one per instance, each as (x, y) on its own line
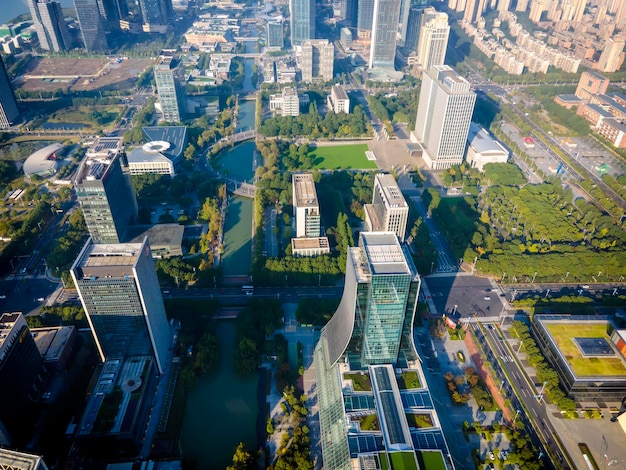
(484, 373)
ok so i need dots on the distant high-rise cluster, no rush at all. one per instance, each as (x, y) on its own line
(49, 23)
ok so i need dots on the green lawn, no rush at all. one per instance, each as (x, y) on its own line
(431, 460)
(563, 334)
(409, 379)
(341, 157)
(360, 382)
(403, 461)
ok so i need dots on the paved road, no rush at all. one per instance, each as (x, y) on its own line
(501, 356)
(445, 258)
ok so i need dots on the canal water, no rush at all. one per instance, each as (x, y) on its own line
(221, 410)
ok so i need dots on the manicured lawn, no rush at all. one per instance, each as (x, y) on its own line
(403, 461)
(341, 157)
(431, 460)
(409, 379)
(422, 420)
(563, 334)
(360, 382)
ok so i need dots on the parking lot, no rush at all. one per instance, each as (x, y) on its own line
(591, 154)
(465, 295)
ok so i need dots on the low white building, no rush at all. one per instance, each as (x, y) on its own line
(288, 102)
(482, 148)
(338, 100)
(309, 246)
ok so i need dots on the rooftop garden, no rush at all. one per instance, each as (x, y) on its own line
(563, 334)
(409, 379)
(360, 381)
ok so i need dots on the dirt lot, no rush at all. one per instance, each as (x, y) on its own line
(79, 74)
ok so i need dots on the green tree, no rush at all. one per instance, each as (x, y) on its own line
(242, 459)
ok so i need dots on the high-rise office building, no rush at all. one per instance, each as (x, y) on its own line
(302, 14)
(112, 11)
(384, 34)
(317, 60)
(275, 34)
(365, 15)
(444, 114)
(349, 12)
(413, 29)
(91, 25)
(105, 193)
(168, 75)
(371, 329)
(21, 374)
(433, 40)
(119, 290)
(50, 25)
(612, 56)
(16, 460)
(403, 22)
(306, 208)
(156, 15)
(388, 211)
(9, 111)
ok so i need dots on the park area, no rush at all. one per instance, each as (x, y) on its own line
(90, 118)
(340, 157)
(563, 334)
(46, 74)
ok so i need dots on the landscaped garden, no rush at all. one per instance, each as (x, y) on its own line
(360, 381)
(419, 420)
(368, 422)
(409, 379)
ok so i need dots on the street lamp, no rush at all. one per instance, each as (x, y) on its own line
(517, 412)
(534, 276)
(520, 346)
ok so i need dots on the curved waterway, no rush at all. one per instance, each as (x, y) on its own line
(221, 410)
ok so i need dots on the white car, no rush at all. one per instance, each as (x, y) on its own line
(492, 456)
(585, 286)
(487, 297)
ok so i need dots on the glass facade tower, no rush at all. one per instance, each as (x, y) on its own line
(119, 290)
(91, 25)
(106, 197)
(168, 74)
(384, 34)
(302, 21)
(372, 326)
